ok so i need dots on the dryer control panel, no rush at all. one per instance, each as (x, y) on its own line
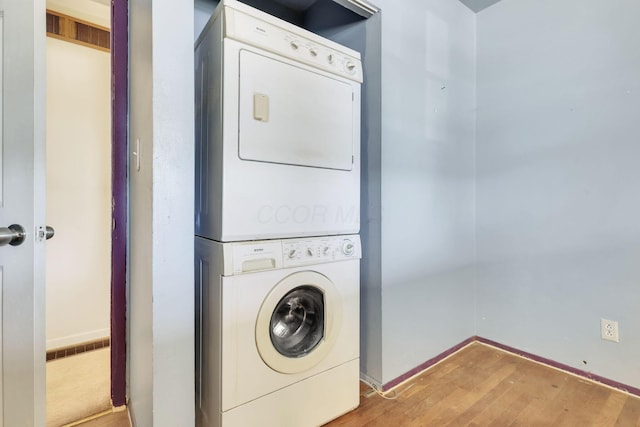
(248, 257)
(274, 35)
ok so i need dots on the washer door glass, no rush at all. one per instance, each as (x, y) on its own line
(297, 323)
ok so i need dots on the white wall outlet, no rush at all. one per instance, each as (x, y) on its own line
(609, 330)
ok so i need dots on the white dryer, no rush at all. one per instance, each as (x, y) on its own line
(277, 332)
(277, 129)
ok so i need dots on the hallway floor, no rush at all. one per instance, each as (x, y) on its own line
(78, 386)
(114, 419)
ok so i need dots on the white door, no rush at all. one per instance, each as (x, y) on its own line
(291, 115)
(22, 178)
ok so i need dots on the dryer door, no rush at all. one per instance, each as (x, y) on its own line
(298, 322)
(292, 115)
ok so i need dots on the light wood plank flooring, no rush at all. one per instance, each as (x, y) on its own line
(484, 386)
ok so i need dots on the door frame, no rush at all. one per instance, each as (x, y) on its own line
(119, 235)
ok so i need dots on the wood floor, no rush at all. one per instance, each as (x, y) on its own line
(483, 386)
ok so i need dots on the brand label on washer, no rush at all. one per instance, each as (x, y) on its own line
(248, 257)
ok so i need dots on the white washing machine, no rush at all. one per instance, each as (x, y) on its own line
(277, 130)
(277, 331)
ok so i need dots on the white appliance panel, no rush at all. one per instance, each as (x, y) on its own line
(293, 116)
(308, 397)
(255, 28)
(261, 200)
(234, 384)
(245, 375)
(238, 200)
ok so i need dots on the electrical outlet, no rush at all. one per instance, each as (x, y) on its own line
(609, 330)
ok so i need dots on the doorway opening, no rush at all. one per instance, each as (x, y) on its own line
(86, 204)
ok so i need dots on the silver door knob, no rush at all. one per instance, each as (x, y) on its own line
(50, 232)
(14, 235)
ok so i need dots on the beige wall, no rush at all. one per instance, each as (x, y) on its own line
(78, 193)
(94, 11)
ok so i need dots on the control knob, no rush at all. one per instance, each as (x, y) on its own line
(294, 45)
(309, 252)
(348, 248)
(313, 52)
(330, 58)
(350, 67)
(291, 254)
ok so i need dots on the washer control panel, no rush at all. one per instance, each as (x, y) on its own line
(318, 250)
(248, 257)
(284, 39)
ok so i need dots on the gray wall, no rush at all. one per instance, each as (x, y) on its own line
(202, 11)
(558, 180)
(331, 20)
(161, 297)
(370, 210)
(427, 180)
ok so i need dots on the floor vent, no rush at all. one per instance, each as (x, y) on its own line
(68, 28)
(59, 353)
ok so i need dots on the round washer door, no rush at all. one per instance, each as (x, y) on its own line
(298, 322)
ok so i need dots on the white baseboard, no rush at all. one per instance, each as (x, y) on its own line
(71, 340)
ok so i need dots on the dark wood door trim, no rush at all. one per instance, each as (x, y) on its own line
(119, 135)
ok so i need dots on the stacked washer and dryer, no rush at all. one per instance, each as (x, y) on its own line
(277, 217)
